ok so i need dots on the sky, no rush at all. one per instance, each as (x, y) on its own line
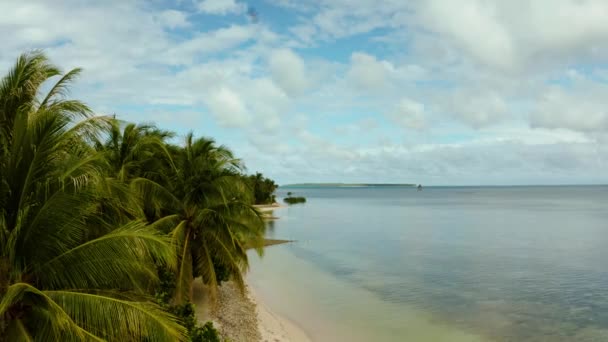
(437, 92)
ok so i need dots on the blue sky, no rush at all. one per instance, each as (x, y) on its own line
(432, 92)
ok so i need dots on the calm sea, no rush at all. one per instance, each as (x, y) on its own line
(442, 264)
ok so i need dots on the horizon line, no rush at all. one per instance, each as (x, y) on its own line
(446, 185)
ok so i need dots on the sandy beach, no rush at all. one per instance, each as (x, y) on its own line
(268, 207)
(244, 318)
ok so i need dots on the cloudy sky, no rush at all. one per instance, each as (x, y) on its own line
(433, 92)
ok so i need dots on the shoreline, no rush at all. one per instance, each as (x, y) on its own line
(244, 318)
(274, 327)
(268, 207)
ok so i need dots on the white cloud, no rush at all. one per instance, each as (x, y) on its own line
(228, 108)
(289, 71)
(343, 18)
(268, 103)
(222, 7)
(474, 26)
(511, 35)
(477, 108)
(366, 72)
(475, 76)
(577, 109)
(208, 42)
(501, 161)
(506, 35)
(410, 114)
(173, 19)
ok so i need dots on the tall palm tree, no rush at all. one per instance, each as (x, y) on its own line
(65, 276)
(132, 151)
(208, 215)
(136, 151)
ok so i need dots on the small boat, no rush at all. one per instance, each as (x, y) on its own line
(419, 187)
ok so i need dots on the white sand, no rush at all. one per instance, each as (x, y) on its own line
(244, 318)
(268, 207)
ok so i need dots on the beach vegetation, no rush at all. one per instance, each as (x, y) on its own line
(294, 199)
(263, 189)
(105, 224)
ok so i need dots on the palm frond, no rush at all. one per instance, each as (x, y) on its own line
(61, 87)
(181, 237)
(123, 258)
(118, 319)
(55, 323)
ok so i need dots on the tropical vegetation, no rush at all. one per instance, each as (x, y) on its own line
(290, 199)
(263, 189)
(104, 224)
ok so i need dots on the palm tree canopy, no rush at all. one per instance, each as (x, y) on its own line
(208, 213)
(64, 274)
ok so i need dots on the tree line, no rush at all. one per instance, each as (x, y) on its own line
(104, 224)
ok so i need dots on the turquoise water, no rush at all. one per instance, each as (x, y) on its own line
(444, 264)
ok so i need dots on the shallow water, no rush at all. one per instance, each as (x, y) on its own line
(444, 264)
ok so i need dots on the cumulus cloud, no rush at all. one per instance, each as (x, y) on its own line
(515, 34)
(208, 42)
(487, 162)
(478, 109)
(268, 102)
(366, 72)
(410, 114)
(228, 108)
(576, 109)
(506, 35)
(503, 91)
(289, 71)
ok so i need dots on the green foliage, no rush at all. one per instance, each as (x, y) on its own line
(104, 225)
(77, 261)
(205, 205)
(185, 312)
(207, 333)
(196, 333)
(294, 200)
(263, 188)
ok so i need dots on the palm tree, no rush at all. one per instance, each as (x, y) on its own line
(136, 151)
(132, 151)
(209, 215)
(64, 275)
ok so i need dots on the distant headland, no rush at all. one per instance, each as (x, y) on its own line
(344, 185)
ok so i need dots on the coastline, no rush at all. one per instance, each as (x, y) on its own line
(274, 327)
(268, 207)
(244, 318)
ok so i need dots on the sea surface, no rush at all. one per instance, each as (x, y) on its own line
(442, 264)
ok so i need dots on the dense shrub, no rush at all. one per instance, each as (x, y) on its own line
(185, 312)
(294, 200)
(196, 333)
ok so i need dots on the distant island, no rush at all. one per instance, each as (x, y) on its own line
(344, 185)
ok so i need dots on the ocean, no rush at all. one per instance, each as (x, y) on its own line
(442, 264)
